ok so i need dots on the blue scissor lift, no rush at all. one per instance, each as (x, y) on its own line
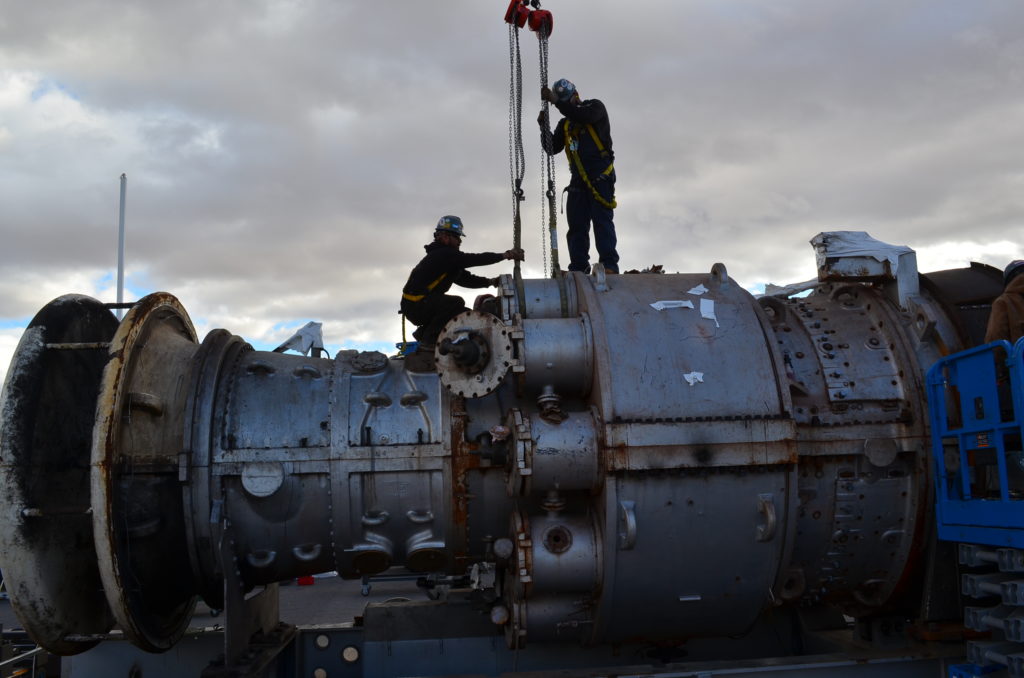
(976, 400)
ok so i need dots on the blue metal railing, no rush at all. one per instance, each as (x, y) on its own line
(976, 401)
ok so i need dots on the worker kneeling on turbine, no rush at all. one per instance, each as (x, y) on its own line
(424, 299)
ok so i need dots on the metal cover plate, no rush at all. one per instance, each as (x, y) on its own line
(49, 399)
(498, 336)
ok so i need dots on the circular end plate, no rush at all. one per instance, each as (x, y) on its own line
(137, 500)
(498, 336)
(48, 407)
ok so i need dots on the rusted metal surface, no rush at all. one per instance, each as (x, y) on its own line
(138, 521)
(854, 378)
(220, 350)
(463, 460)
(46, 547)
(673, 470)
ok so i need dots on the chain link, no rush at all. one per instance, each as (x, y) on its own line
(516, 154)
(545, 157)
(549, 231)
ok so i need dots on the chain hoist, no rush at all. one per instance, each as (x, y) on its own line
(517, 16)
(548, 167)
(516, 156)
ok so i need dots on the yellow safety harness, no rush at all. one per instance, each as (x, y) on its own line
(430, 288)
(571, 144)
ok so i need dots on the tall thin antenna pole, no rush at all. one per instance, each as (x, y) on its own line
(120, 247)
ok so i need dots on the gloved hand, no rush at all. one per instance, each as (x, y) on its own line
(547, 95)
(493, 282)
(542, 120)
(515, 253)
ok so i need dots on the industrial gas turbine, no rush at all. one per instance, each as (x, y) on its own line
(620, 459)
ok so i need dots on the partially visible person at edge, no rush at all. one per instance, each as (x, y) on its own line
(424, 302)
(585, 134)
(1007, 318)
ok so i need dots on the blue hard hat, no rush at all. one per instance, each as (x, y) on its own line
(563, 89)
(450, 224)
(1013, 269)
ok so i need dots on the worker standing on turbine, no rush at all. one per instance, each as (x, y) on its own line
(585, 134)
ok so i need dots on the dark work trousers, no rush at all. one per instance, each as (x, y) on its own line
(431, 313)
(581, 210)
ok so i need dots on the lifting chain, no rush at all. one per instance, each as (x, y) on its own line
(548, 171)
(518, 15)
(516, 156)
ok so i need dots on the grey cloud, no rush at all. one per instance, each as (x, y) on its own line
(287, 160)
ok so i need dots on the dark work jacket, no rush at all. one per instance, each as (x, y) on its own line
(578, 114)
(1007, 318)
(452, 264)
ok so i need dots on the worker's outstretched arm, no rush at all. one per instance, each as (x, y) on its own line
(471, 260)
(473, 281)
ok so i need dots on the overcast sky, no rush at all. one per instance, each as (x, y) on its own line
(288, 159)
